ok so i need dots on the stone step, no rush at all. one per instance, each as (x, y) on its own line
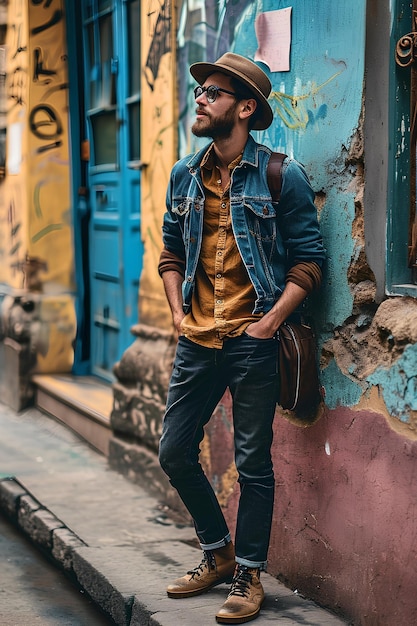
(83, 403)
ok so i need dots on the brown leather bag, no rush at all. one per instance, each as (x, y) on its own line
(299, 380)
(300, 389)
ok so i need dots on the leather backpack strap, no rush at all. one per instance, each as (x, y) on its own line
(274, 174)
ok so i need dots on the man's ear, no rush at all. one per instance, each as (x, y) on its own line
(247, 108)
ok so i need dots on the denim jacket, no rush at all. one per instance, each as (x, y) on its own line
(271, 237)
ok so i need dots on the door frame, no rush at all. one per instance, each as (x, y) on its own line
(79, 187)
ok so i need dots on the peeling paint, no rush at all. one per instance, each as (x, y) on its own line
(399, 384)
(340, 390)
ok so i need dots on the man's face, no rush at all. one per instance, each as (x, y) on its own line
(216, 119)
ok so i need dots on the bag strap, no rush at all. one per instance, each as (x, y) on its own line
(274, 174)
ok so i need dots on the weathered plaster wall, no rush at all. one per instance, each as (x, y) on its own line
(344, 529)
(36, 248)
(48, 180)
(36, 242)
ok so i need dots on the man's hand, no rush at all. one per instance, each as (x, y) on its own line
(176, 320)
(267, 326)
(172, 283)
(259, 330)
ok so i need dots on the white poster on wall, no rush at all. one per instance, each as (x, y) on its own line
(273, 32)
(14, 148)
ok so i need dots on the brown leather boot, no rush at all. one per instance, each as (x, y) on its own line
(245, 598)
(216, 567)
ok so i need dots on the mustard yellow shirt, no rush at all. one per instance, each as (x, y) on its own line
(223, 298)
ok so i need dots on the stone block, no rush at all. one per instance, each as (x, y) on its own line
(142, 382)
(15, 385)
(137, 416)
(38, 523)
(64, 542)
(10, 493)
(116, 603)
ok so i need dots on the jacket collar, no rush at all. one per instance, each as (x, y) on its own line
(250, 154)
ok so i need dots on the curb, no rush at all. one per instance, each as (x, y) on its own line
(85, 566)
(61, 545)
(39, 524)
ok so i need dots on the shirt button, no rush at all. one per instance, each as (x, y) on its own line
(224, 205)
(219, 301)
(218, 275)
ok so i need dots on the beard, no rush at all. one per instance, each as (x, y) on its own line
(216, 127)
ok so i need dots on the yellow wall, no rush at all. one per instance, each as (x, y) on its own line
(13, 197)
(36, 251)
(158, 145)
(50, 224)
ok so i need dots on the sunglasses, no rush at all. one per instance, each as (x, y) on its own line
(212, 91)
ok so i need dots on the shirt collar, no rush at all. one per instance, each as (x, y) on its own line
(208, 161)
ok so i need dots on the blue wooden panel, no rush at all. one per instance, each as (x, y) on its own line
(115, 248)
(105, 254)
(107, 322)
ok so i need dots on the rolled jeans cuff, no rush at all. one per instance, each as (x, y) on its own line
(252, 564)
(217, 544)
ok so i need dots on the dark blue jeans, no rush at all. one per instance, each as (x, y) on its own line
(199, 379)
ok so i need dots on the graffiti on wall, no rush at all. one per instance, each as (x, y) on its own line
(35, 230)
(159, 27)
(50, 259)
(205, 33)
(49, 222)
(45, 123)
(12, 198)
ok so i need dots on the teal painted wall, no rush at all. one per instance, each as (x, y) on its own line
(317, 106)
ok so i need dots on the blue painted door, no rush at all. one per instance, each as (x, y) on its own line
(111, 30)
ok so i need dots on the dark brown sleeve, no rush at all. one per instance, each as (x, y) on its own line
(305, 275)
(169, 261)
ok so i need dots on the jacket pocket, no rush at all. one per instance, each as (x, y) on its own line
(181, 206)
(261, 220)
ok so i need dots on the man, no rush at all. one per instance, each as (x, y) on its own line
(235, 265)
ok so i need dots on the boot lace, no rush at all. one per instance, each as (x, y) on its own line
(208, 562)
(241, 582)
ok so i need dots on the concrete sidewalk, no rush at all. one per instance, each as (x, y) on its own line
(110, 535)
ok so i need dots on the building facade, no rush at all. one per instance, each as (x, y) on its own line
(96, 105)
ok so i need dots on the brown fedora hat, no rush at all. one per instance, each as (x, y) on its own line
(248, 73)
